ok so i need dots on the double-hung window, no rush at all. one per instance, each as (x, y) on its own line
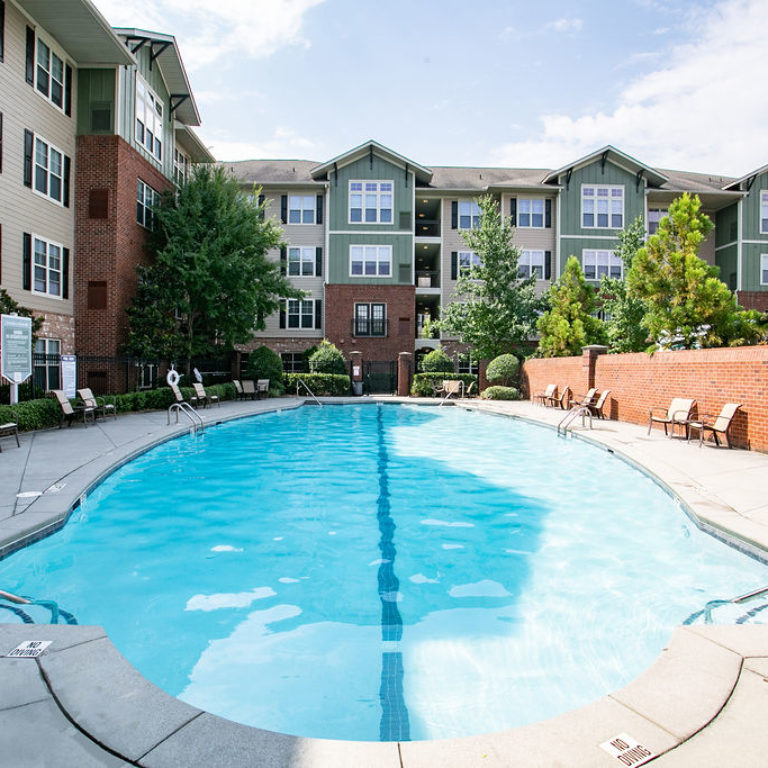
(180, 167)
(146, 197)
(531, 263)
(301, 262)
(370, 202)
(764, 269)
(468, 260)
(301, 313)
(47, 363)
(301, 209)
(598, 263)
(530, 213)
(149, 119)
(47, 267)
(655, 215)
(49, 170)
(602, 206)
(370, 260)
(469, 214)
(764, 212)
(370, 319)
(50, 73)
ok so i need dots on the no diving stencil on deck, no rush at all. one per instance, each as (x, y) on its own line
(627, 751)
(29, 649)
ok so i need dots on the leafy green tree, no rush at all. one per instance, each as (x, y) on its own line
(327, 358)
(437, 361)
(569, 325)
(9, 306)
(210, 268)
(496, 310)
(624, 310)
(263, 363)
(688, 306)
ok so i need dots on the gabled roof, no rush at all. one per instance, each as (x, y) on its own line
(165, 51)
(617, 157)
(738, 182)
(80, 29)
(465, 179)
(273, 172)
(424, 175)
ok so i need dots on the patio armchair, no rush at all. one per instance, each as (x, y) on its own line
(177, 394)
(262, 388)
(717, 425)
(547, 395)
(202, 397)
(99, 404)
(449, 387)
(238, 389)
(249, 389)
(678, 414)
(562, 401)
(585, 401)
(596, 408)
(10, 428)
(69, 412)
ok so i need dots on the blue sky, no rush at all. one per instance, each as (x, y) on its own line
(677, 84)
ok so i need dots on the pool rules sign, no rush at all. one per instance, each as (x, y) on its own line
(15, 348)
(627, 751)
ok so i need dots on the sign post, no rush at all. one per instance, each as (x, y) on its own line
(15, 351)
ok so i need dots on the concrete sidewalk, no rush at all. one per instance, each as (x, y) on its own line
(81, 704)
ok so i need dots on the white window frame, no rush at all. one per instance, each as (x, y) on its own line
(371, 308)
(651, 222)
(44, 73)
(51, 253)
(47, 168)
(297, 308)
(303, 208)
(378, 255)
(764, 269)
(528, 262)
(466, 261)
(371, 191)
(764, 212)
(610, 261)
(300, 257)
(149, 111)
(48, 366)
(468, 210)
(595, 198)
(181, 164)
(530, 203)
(146, 197)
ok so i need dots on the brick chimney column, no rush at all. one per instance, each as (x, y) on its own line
(589, 355)
(404, 367)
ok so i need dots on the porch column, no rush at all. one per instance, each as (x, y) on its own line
(404, 367)
(589, 355)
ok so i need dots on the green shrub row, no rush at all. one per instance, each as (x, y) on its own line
(501, 393)
(325, 384)
(33, 414)
(424, 383)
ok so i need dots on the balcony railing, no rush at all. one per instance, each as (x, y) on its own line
(376, 327)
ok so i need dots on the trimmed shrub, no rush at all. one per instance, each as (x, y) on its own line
(437, 360)
(33, 414)
(263, 363)
(500, 393)
(424, 383)
(504, 371)
(325, 384)
(327, 359)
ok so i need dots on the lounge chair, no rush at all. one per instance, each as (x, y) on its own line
(99, 404)
(69, 412)
(596, 408)
(202, 397)
(716, 424)
(545, 396)
(449, 388)
(10, 428)
(249, 388)
(262, 388)
(238, 389)
(678, 414)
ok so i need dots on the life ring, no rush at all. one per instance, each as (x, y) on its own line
(172, 377)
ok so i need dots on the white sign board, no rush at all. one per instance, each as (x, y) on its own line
(627, 751)
(29, 649)
(69, 375)
(15, 348)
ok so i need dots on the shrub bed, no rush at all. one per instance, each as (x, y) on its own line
(423, 383)
(325, 384)
(500, 393)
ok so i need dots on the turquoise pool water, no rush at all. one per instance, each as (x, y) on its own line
(382, 572)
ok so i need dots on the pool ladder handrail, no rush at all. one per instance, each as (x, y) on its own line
(568, 419)
(456, 391)
(51, 605)
(189, 412)
(712, 604)
(311, 393)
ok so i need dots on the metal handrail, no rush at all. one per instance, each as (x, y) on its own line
(311, 393)
(706, 611)
(51, 605)
(189, 412)
(578, 410)
(456, 390)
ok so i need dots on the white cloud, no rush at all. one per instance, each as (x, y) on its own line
(210, 31)
(565, 25)
(704, 111)
(284, 142)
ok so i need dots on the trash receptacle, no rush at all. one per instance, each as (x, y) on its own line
(357, 388)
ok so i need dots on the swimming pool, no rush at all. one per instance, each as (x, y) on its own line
(384, 600)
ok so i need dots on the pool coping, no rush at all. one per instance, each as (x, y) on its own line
(83, 681)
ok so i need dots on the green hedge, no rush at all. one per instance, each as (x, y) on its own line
(500, 393)
(325, 384)
(423, 383)
(33, 414)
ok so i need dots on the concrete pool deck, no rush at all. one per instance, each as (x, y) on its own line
(702, 703)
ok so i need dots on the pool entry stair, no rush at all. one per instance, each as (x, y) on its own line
(752, 597)
(190, 412)
(571, 416)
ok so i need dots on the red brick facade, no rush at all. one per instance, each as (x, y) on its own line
(109, 242)
(753, 300)
(400, 301)
(639, 382)
(60, 327)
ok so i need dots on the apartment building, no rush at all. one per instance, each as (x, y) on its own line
(95, 122)
(375, 239)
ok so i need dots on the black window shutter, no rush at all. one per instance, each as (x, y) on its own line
(454, 214)
(318, 262)
(548, 214)
(318, 313)
(26, 272)
(2, 29)
(319, 212)
(454, 265)
(261, 210)
(283, 261)
(68, 90)
(30, 68)
(284, 208)
(65, 275)
(261, 200)
(547, 265)
(282, 314)
(1, 142)
(513, 211)
(29, 141)
(67, 174)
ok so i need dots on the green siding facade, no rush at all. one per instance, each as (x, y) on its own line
(750, 210)
(95, 101)
(727, 225)
(402, 259)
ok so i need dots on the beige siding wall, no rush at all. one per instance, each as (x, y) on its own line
(21, 209)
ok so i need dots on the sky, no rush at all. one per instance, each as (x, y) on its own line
(676, 84)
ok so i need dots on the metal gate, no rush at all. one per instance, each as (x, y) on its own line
(379, 377)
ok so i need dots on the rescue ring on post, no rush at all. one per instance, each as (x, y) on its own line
(172, 377)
